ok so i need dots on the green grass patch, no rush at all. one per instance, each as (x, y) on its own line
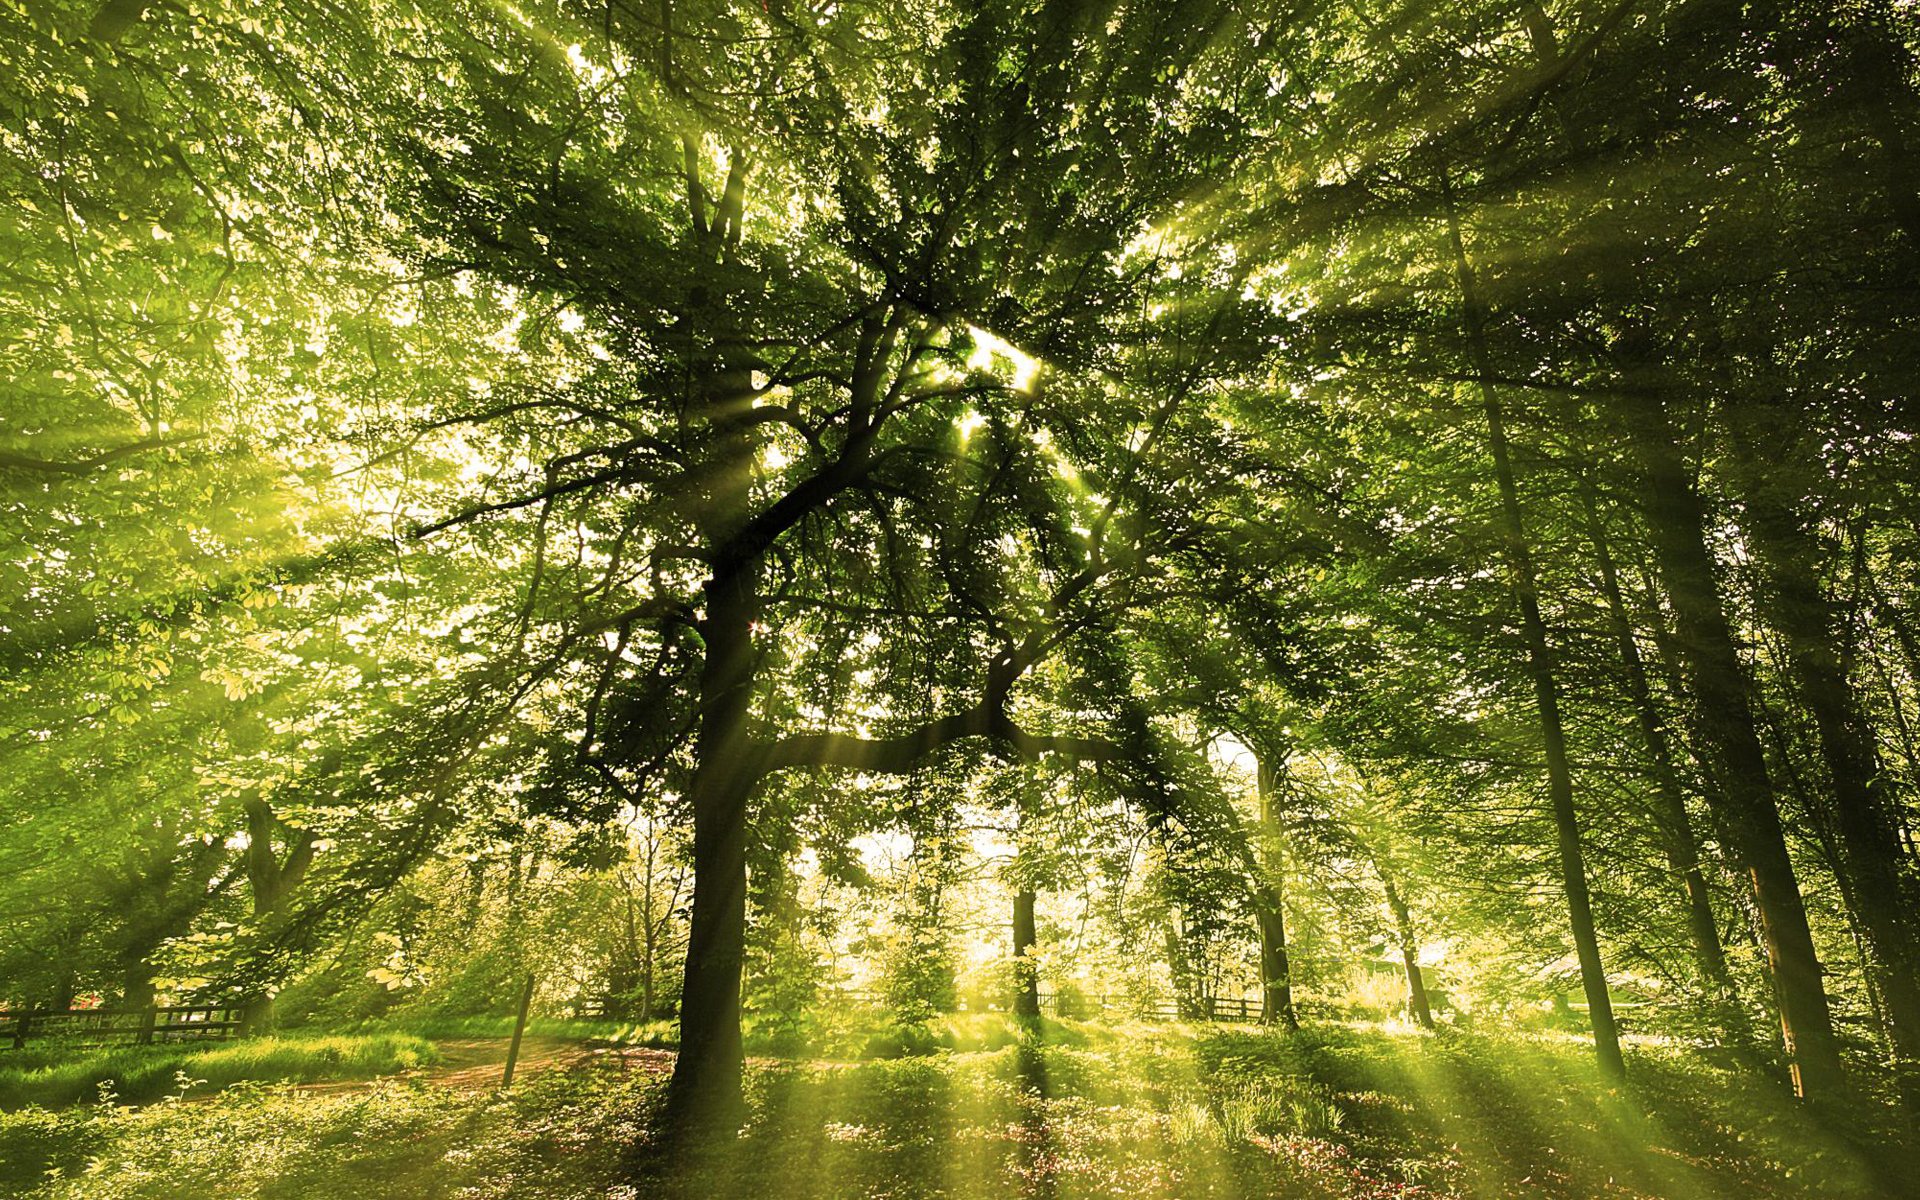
(448, 1028)
(843, 1035)
(1147, 1112)
(139, 1074)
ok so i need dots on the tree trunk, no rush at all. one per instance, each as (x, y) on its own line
(1029, 1061)
(1187, 989)
(1410, 955)
(1880, 887)
(704, 1094)
(63, 990)
(1276, 993)
(1269, 909)
(476, 890)
(1672, 820)
(136, 988)
(1725, 719)
(1026, 975)
(271, 880)
(649, 939)
(1573, 866)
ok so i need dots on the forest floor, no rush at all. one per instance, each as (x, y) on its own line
(476, 1064)
(1082, 1111)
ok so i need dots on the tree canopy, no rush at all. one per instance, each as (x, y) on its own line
(695, 493)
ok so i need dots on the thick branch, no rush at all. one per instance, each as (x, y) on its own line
(86, 466)
(902, 754)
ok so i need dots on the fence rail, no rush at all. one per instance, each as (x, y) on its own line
(142, 1026)
(1226, 1009)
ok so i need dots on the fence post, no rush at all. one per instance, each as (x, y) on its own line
(519, 1027)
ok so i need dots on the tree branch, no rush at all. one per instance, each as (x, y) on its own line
(86, 466)
(900, 755)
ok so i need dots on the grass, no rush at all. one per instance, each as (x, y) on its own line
(445, 1028)
(50, 1077)
(1083, 1112)
(841, 1035)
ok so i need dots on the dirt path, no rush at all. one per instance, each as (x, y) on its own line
(475, 1064)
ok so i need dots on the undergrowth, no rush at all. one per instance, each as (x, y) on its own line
(1060, 1113)
(51, 1076)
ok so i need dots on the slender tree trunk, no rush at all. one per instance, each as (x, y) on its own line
(476, 891)
(704, 1094)
(649, 954)
(1566, 822)
(1026, 975)
(1674, 823)
(1186, 985)
(1410, 955)
(1269, 907)
(1880, 887)
(1724, 712)
(649, 936)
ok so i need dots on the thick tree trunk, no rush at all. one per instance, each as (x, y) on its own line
(1029, 1060)
(1187, 1002)
(1566, 823)
(1026, 975)
(63, 990)
(136, 987)
(1276, 992)
(1417, 1003)
(1675, 825)
(704, 1094)
(1880, 886)
(1724, 713)
(271, 879)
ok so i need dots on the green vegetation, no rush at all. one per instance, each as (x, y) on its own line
(905, 563)
(139, 1074)
(1140, 1112)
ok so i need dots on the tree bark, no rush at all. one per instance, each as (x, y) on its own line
(649, 935)
(1724, 712)
(271, 880)
(1674, 823)
(704, 1094)
(1026, 974)
(1880, 885)
(1566, 822)
(1269, 908)
(1410, 955)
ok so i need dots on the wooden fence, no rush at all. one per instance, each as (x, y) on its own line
(140, 1026)
(1225, 1009)
(1228, 1009)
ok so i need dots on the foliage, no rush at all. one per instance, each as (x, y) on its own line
(140, 1074)
(716, 507)
(1337, 1113)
